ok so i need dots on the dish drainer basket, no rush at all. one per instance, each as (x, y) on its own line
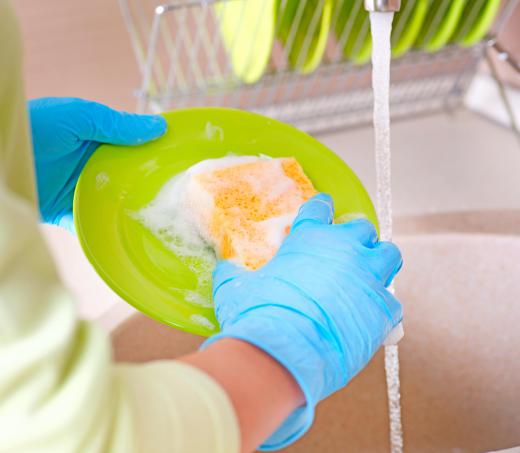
(185, 62)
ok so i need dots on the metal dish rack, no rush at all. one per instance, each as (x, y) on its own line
(183, 62)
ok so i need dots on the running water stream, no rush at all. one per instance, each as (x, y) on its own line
(381, 27)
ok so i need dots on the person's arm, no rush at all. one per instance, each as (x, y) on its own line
(320, 308)
(262, 391)
(248, 384)
(60, 390)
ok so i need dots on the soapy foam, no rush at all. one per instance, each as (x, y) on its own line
(168, 218)
(276, 228)
(381, 27)
(203, 321)
(182, 214)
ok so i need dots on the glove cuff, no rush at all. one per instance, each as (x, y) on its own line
(278, 331)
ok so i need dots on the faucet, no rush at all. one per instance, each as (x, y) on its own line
(383, 6)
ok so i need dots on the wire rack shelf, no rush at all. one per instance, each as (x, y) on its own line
(311, 71)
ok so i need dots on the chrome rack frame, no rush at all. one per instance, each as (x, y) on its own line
(183, 62)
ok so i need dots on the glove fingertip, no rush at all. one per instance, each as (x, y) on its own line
(157, 126)
(67, 222)
(363, 230)
(317, 210)
(322, 196)
(396, 271)
(393, 261)
(145, 128)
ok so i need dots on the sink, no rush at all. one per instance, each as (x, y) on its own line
(460, 358)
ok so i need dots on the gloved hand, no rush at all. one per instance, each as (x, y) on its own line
(65, 133)
(319, 307)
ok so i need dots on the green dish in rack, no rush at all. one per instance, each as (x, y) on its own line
(247, 29)
(358, 43)
(476, 20)
(440, 24)
(352, 29)
(407, 25)
(303, 29)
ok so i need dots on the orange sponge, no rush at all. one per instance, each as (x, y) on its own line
(246, 208)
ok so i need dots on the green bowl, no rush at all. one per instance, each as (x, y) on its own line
(247, 29)
(476, 20)
(440, 24)
(118, 181)
(303, 30)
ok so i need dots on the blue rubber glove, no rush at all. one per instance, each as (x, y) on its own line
(65, 133)
(319, 307)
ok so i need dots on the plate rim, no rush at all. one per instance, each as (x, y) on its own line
(119, 289)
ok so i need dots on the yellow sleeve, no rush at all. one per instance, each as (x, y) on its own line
(191, 412)
(59, 389)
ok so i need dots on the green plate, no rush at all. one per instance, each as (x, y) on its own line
(247, 29)
(477, 18)
(407, 25)
(358, 43)
(304, 29)
(118, 181)
(352, 28)
(440, 24)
